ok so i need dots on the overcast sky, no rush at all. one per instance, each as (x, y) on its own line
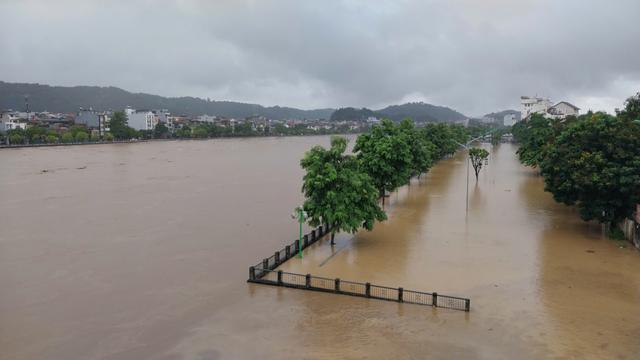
(474, 56)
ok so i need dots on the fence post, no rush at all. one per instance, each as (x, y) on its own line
(252, 273)
(296, 247)
(265, 264)
(287, 251)
(280, 277)
(400, 293)
(467, 305)
(305, 239)
(367, 289)
(434, 299)
(307, 281)
(337, 285)
(320, 233)
(276, 255)
(313, 235)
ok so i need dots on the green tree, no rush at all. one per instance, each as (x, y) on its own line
(81, 136)
(161, 131)
(108, 137)
(594, 164)
(36, 134)
(67, 138)
(337, 192)
(536, 133)
(385, 156)
(477, 157)
(444, 137)
(422, 150)
(184, 132)
(16, 139)
(51, 139)
(200, 132)
(631, 109)
(119, 128)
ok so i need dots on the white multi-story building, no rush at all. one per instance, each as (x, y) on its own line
(141, 119)
(537, 105)
(10, 120)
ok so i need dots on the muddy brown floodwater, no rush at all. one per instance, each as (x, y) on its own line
(140, 251)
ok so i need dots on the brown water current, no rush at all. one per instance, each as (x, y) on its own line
(140, 251)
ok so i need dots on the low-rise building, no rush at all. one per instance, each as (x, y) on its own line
(11, 120)
(530, 105)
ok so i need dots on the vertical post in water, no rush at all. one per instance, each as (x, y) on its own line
(265, 264)
(280, 277)
(306, 240)
(400, 294)
(252, 273)
(367, 289)
(337, 285)
(467, 305)
(287, 251)
(434, 299)
(300, 220)
(307, 281)
(276, 255)
(468, 160)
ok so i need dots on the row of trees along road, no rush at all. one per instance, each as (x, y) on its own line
(590, 161)
(344, 190)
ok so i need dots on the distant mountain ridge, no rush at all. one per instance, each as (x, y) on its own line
(418, 111)
(69, 99)
(64, 99)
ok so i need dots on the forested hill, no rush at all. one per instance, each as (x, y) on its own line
(419, 112)
(70, 99)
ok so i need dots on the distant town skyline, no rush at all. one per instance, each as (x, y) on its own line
(473, 57)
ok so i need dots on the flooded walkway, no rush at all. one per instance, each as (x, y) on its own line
(140, 251)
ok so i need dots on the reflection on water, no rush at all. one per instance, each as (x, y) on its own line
(144, 254)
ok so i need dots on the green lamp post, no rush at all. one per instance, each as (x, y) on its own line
(301, 215)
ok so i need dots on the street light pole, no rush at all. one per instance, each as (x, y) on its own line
(300, 215)
(468, 160)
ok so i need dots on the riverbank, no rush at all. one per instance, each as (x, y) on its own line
(162, 140)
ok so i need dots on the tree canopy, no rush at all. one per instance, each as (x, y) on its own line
(594, 164)
(478, 157)
(337, 191)
(385, 154)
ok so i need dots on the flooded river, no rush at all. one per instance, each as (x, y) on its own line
(140, 251)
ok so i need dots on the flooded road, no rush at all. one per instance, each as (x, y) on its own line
(140, 251)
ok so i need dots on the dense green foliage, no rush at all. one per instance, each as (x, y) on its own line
(533, 136)
(119, 127)
(343, 190)
(422, 150)
(419, 112)
(590, 161)
(337, 191)
(385, 154)
(594, 164)
(478, 157)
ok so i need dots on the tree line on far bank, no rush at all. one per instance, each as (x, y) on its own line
(590, 161)
(345, 191)
(120, 130)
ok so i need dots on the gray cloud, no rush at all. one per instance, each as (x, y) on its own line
(475, 56)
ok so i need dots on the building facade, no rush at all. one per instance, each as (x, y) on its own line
(530, 105)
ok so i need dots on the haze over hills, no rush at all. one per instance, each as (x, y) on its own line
(499, 116)
(70, 99)
(418, 111)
